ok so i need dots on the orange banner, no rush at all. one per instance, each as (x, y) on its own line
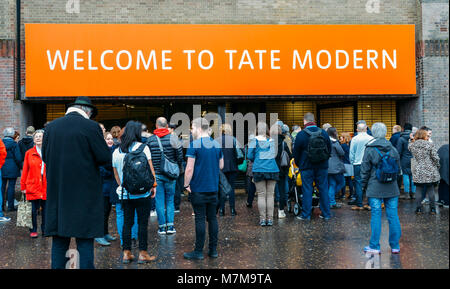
(189, 60)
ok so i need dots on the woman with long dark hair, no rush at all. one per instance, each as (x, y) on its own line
(130, 141)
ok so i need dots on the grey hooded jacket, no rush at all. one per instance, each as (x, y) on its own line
(370, 183)
(336, 160)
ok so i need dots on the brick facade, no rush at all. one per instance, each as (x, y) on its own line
(429, 16)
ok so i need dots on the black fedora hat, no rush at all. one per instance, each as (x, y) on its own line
(85, 101)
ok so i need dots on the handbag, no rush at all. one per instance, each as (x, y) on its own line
(24, 213)
(168, 168)
(348, 170)
(285, 160)
(243, 167)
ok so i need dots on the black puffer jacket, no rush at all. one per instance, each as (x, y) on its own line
(173, 149)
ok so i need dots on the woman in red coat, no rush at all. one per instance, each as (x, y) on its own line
(33, 182)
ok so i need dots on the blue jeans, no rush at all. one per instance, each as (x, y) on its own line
(119, 220)
(395, 230)
(283, 189)
(165, 194)
(335, 183)
(358, 185)
(10, 191)
(408, 185)
(85, 248)
(320, 177)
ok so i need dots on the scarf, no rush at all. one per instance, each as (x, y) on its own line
(160, 132)
(39, 151)
(76, 109)
(310, 124)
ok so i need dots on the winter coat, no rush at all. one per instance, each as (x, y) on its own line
(32, 181)
(229, 144)
(370, 183)
(74, 149)
(25, 144)
(301, 148)
(262, 152)
(2, 153)
(282, 144)
(443, 161)
(394, 139)
(107, 174)
(173, 150)
(403, 151)
(13, 162)
(346, 149)
(425, 162)
(336, 160)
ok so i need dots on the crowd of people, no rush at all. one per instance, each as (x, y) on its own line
(74, 172)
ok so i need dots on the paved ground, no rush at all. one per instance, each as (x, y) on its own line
(290, 243)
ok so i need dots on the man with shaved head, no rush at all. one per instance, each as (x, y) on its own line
(357, 148)
(165, 147)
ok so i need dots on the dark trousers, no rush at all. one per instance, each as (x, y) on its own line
(179, 187)
(8, 192)
(320, 177)
(35, 206)
(205, 211)
(142, 208)
(60, 246)
(443, 192)
(251, 190)
(106, 212)
(231, 178)
(283, 189)
(349, 184)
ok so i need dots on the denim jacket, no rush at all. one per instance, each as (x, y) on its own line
(262, 152)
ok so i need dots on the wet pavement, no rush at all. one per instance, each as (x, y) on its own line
(243, 244)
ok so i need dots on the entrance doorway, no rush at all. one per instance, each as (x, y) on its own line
(342, 116)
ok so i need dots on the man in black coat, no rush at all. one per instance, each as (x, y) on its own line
(405, 160)
(73, 150)
(26, 142)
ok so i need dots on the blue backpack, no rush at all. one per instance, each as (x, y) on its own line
(387, 168)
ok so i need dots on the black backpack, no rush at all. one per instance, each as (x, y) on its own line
(317, 150)
(137, 177)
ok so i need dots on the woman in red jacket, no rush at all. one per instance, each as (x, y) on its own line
(33, 182)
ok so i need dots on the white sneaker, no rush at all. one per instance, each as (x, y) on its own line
(425, 201)
(281, 214)
(153, 213)
(5, 219)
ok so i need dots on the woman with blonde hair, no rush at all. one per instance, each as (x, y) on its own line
(425, 168)
(262, 151)
(231, 150)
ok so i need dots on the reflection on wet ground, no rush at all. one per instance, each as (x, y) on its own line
(243, 244)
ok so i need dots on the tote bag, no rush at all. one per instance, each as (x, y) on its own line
(24, 213)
